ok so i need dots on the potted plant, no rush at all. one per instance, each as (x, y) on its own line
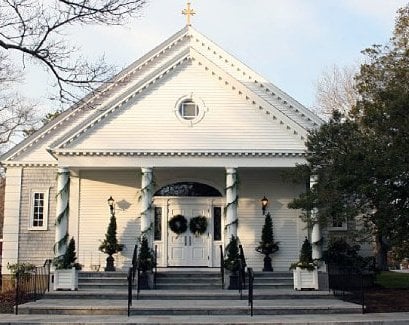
(110, 244)
(305, 270)
(267, 245)
(146, 263)
(66, 269)
(232, 263)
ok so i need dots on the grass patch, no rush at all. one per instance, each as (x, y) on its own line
(393, 280)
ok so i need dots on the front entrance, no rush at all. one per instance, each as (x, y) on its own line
(188, 249)
(189, 199)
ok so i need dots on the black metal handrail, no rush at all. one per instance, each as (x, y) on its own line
(222, 265)
(241, 275)
(243, 265)
(134, 262)
(131, 277)
(30, 286)
(251, 293)
(130, 285)
(349, 283)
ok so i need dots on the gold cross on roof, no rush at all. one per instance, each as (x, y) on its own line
(188, 12)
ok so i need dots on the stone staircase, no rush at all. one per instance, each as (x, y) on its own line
(273, 280)
(186, 292)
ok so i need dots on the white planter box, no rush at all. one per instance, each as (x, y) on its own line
(66, 279)
(304, 279)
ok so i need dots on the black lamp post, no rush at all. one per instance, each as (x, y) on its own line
(111, 202)
(264, 203)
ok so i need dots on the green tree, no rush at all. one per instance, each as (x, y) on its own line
(231, 262)
(67, 260)
(110, 244)
(145, 257)
(361, 162)
(382, 113)
(267, 244)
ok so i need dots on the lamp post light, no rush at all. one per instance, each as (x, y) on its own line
(264, 203)
(111, 203)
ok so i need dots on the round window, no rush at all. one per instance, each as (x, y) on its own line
(190, 109)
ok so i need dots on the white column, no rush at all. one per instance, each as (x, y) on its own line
(231, 204)
(11, 217)
(146, 200)
(316, 229)
(61, 225)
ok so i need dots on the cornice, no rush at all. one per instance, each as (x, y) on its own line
(158, 153)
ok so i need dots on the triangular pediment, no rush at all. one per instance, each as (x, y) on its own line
(137, 111)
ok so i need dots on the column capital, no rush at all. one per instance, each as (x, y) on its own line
(63, 170)
(146, 170)
(313, 180)
(231, 170)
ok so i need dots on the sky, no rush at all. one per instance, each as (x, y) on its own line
(289, 42)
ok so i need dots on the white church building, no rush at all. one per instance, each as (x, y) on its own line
(185, 130)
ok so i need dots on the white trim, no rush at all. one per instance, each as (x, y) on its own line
(12, 211)
(33, 192)
(201, 106)
(344, 226)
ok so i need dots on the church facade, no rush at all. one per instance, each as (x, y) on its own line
(185, 130)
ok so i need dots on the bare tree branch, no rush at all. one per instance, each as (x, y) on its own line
(336, 91)
(36, 29)
(16, 113)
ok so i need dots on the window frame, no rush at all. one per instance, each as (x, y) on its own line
(200, 109)
(343, 227)
(184, 109)
(46, 193)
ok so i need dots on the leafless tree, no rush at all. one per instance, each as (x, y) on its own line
(37, 28)
(36, 31)
(16, 113)
(336, 91)
(2, 193)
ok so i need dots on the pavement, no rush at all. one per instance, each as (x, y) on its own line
(365, 319)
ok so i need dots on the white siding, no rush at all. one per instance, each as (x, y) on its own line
(96, 188)
(11, 218)
(288, 229)
(148, 122)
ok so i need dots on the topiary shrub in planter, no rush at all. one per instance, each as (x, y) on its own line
(110, 244)
(66, 269)
(232, 263)
(305, 271)
(146, 263)
(267, 245)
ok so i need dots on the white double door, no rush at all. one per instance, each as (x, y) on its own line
(188, 249)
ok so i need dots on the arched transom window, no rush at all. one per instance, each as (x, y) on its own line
(188, 189)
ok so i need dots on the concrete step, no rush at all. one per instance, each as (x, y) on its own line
(273, 274)
(89, 280)
(193, 307)
(203, 281)
(187, 286)
(102, 286)
(217, 294)
(84, 274)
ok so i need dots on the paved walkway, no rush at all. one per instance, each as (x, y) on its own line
(367, 319)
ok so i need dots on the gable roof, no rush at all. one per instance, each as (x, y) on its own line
(187, 44)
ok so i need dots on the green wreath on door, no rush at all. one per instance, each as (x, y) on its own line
(198, 225)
